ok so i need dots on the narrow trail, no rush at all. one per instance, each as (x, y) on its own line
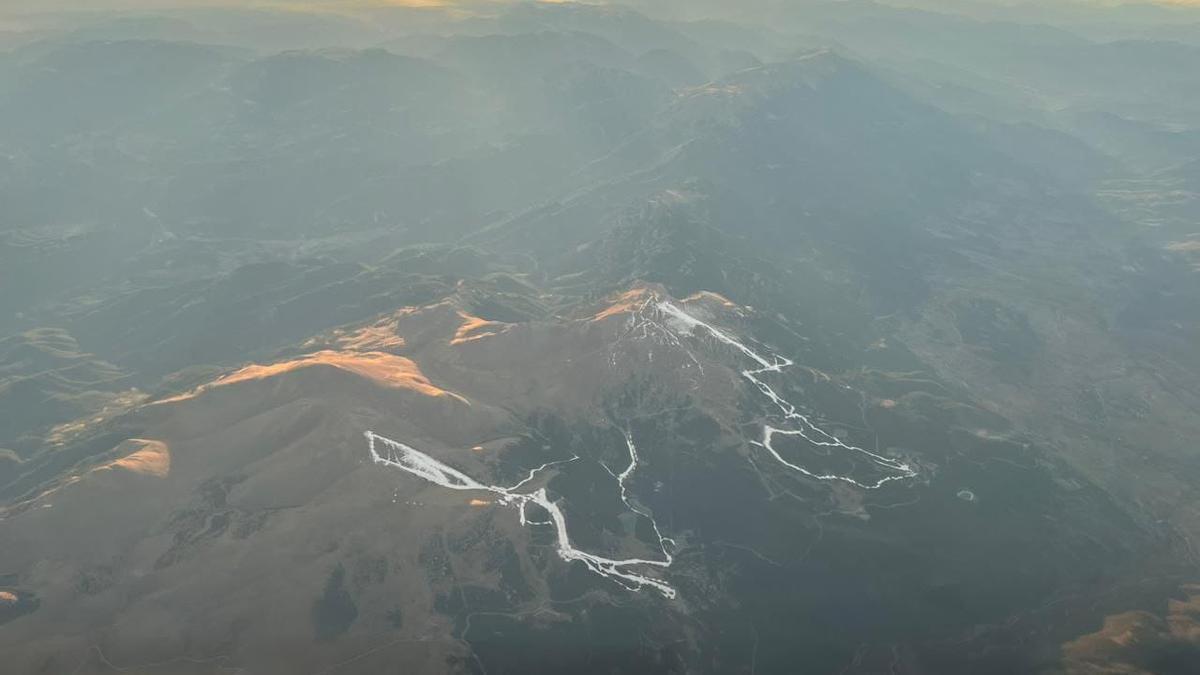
(404, 457)
(805, 428)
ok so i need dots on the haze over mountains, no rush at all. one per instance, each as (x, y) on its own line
(540, 337)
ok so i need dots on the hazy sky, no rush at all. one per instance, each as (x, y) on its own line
(42, 5)
(19, 7)
(25, 6)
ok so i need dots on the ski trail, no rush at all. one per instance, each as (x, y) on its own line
(624, 571)
(624, 476)
(400, 456)
(806, 428)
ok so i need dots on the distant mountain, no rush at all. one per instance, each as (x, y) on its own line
(62, 90)
(46, 380)
(820, 156)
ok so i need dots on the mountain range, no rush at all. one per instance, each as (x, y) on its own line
(539, 337)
